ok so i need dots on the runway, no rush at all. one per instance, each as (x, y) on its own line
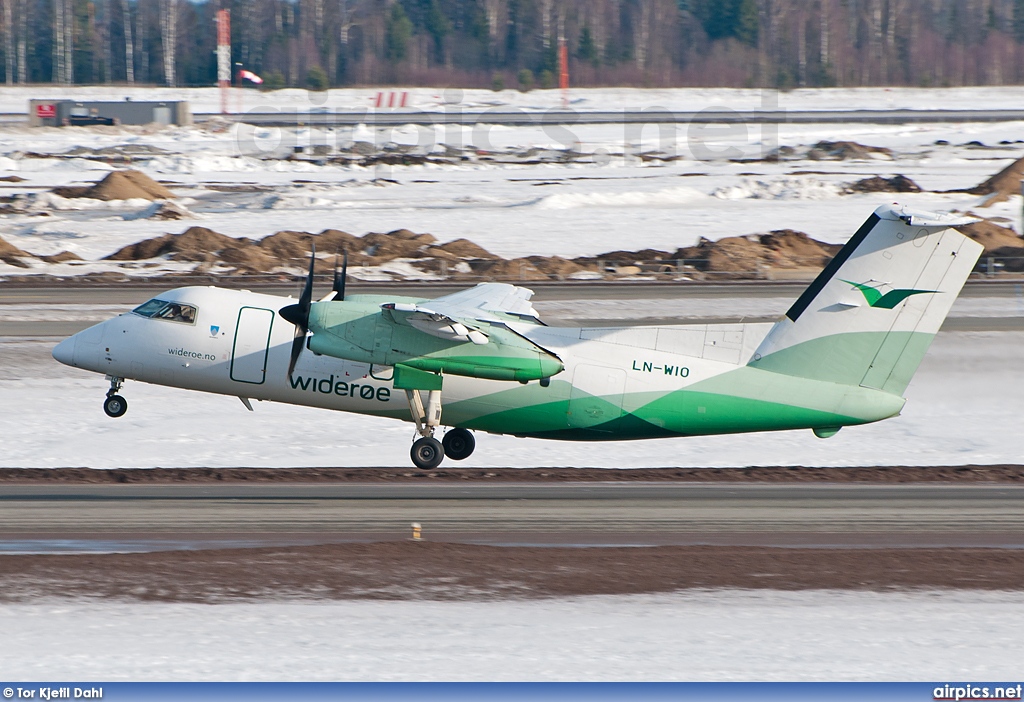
(113, 517)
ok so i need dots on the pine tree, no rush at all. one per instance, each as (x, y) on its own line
(587, 51)
(746, 23)
(397, 34)
(1018, 20)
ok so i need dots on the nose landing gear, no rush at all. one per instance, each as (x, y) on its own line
(115, 405)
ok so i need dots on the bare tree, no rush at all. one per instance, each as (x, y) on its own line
(69, 42)
(169, 37)
(108, 57)
(23, 44)
(825, 10)
(142, 43)
(801, 46)
(9, 41)
(642, 35)
(129, 48)
(59, 74)
(63, 42)
(94, 41)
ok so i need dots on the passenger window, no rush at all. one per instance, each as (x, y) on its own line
(171, 311)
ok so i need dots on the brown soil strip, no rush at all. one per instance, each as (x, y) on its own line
(1006, 474)
(411, 570)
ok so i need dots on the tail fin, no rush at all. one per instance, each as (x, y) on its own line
(870, 316)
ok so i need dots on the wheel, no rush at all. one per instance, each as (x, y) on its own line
(115, 406)
(427, 453)
(458, 444)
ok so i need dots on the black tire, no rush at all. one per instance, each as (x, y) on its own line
(427, 453)
(458, 444)
(115, 406)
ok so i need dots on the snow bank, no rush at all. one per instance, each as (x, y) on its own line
(780, 189)
(666, 197)
(710, 635)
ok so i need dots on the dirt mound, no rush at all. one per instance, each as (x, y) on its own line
(877, 184)
(557, 267)
(62, 257)
(1002, 185)
(400, 243)
(742, 254)
(625, 258)
(782, 248)
(503, 269)
(248, 258)
(844, 150)
(287, 245)
(119, 185)
(12, 255)
(992, 236)
(462, 248)
(792, 249)
(291, 246)
(194, 244)
(742, 257)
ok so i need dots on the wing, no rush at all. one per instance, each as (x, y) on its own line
(490, 301)
(432, 322)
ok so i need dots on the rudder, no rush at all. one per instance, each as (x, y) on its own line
(871, 314)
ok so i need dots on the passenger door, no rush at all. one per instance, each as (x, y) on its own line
(252, 345)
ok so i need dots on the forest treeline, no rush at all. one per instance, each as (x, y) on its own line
(514, 43)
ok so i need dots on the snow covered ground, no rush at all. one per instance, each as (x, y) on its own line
(207, 100)
(609, 199)
(698, 635)
(566, 209)
(964, 407)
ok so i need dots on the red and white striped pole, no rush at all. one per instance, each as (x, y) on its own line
(224, 57)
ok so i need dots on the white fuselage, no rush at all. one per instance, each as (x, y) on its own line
(238, 345)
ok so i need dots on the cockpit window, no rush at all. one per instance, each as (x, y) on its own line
(148, 309)
(171, 311)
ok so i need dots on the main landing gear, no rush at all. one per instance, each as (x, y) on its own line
(115, 405)
(427, 452)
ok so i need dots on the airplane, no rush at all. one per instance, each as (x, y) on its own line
(481, 358)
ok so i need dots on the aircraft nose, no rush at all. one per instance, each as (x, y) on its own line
(65, 351)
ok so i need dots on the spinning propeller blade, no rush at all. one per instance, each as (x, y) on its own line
(298, 314)
(339, 281)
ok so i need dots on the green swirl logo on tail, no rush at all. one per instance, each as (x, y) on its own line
(889, 299)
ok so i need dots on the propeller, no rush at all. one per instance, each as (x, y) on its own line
(339, 280)
(298, 314)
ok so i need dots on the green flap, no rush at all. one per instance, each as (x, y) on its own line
(408, 378)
